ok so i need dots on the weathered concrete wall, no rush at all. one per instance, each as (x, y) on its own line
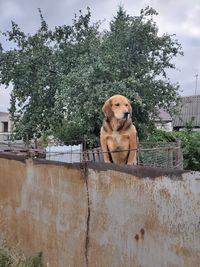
(101, 214)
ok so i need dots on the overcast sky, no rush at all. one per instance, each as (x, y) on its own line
(180, 17)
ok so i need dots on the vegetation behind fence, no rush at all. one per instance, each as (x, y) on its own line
(156, 154)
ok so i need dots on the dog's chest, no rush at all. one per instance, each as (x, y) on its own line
(117, 141)
(116, 137)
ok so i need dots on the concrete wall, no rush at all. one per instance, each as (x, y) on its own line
(165, 126)
(100, 214)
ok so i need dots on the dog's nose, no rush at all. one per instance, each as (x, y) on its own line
(126, 115)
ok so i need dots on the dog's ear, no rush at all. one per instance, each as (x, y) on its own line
(107, 108)
(130, 109)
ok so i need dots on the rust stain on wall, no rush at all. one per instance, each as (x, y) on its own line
(46, 207)
(165, 193)
(136, 219)
(100, 214)
(138, 171)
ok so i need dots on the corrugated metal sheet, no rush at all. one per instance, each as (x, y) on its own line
(190, 107)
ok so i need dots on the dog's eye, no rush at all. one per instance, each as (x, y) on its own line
(117, 104)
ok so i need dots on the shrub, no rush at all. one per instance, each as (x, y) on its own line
(190, 144)
(15, 258)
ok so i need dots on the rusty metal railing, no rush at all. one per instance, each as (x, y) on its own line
(163, 155)
(156, 154)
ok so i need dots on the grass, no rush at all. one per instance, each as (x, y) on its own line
(13, 257)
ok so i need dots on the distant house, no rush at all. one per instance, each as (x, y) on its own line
(164, 121)
(5, 126)
(189, 108)
(5, 122)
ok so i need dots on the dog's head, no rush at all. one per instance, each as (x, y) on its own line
(117, 106)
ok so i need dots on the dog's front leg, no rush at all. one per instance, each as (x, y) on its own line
(104, 146)
(105, 151)
(132, 158)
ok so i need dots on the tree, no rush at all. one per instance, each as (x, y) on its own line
(63, 76)
(130, 59)
(31, 68)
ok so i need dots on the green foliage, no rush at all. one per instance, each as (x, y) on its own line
(63, 76)
(67, 131)
(14, 258)
(190, 143)
(191, 152)
(31, 67)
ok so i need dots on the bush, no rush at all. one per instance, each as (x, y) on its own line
(15, 258)
(190, 144)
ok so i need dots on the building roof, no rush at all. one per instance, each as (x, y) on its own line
(190, 107)
(163, 116)
(4, 114)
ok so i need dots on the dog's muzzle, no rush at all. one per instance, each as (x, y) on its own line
(126, 115)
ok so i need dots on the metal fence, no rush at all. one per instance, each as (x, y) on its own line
(156, 154)
(159, 154)
(64, 153)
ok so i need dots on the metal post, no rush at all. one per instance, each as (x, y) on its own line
(179, 159)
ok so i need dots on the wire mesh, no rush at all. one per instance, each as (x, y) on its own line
(155, 154)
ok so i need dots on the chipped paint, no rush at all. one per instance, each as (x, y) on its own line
(45, 207)
(132, 220)
(96, 214)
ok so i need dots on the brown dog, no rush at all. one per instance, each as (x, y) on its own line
(118, 134)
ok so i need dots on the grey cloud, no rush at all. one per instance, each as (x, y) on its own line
(175, 16)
